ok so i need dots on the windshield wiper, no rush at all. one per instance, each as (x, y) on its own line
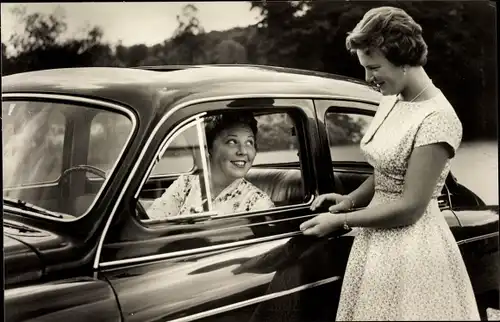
(21, 204)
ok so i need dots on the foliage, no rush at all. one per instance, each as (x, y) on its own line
(343, 129)
(460, 36)
(300, 34)
(41, 46)
(275, 133)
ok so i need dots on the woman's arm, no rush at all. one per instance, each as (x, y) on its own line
(425, 166)
(170, 202)
(362, 196)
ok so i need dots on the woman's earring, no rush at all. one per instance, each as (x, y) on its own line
(404, 70)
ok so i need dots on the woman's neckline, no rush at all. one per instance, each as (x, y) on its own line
(224, 191)
(438, 94)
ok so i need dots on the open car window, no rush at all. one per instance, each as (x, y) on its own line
(187, 167)
(277, 137)
(221, 196)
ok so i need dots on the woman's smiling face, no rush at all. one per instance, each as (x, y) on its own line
(232, 153)
(380, 72)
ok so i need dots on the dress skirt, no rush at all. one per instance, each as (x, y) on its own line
(409, 273)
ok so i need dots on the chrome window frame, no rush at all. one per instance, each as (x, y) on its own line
(79, 101)
(97, 264)
(178, 129)
(163, 147)
(172, 135)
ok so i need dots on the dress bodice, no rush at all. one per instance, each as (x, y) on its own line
(397, 128)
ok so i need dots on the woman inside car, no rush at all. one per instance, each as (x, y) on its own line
(231, 141)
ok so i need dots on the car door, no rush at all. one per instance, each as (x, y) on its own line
(237, 266)
(473, 224)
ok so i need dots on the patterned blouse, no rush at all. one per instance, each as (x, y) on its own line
(184, 197)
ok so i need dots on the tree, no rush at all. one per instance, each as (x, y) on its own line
(460, 36)
(229, 51)
(188, 45)
(41, 45)
(137, 54)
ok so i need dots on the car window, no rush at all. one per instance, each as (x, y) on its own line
(184, 192)
(108, 134)
(278, 142)
(179, 157)
(33, 136)
(50, 148)
(226, 197)
(183, 157)
(345, 131)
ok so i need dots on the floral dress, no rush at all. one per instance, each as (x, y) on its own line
(184, 197)
(414, 272)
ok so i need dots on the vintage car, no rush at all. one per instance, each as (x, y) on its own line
(87, 150)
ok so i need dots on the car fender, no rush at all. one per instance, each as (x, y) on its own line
(79, 299)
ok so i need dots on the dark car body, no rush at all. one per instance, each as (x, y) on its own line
(106, 265)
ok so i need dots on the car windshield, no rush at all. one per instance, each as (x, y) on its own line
(56, 156)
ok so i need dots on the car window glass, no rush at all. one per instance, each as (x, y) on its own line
(185, 211)
(278, 142)
(108, 134)
(179, 157)
(233, 154)
(345, 131)
(50, 148)
(33, 136)
(183, 167)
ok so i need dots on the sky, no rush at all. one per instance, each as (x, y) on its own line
(134, 22)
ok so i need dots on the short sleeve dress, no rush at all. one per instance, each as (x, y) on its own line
(414, 272)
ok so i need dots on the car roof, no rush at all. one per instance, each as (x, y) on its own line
(154, 89)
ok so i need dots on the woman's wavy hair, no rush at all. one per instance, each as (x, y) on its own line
(216, 123)
(393, 32)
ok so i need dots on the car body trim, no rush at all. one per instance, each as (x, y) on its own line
(263, 212)
(201, 140)
(163, 120)
(477, 238)
(256, 300)
(195, 251)
(88, 101)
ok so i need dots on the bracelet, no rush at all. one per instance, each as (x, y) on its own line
(346, 226)
(351, 201)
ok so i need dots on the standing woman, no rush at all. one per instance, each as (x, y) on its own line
(404, 263)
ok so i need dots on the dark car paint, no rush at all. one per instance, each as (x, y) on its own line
(228, 278)
(151, 93)
(24, 263)
(77, 299)
(56, 254)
